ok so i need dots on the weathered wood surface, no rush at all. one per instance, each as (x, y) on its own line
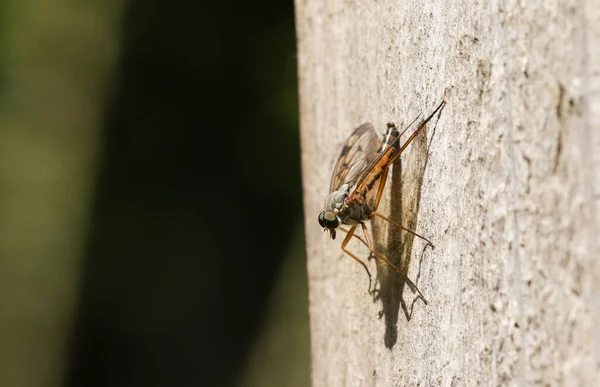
(506, 185)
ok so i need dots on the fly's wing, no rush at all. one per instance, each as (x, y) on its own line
(358, 152)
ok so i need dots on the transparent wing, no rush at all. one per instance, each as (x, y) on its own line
(358, 152)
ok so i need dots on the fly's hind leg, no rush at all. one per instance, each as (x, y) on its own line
(377, 214)
(384, 259)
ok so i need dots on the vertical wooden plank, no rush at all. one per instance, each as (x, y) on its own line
(509, 191)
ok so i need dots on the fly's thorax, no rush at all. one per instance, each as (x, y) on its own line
(355, 211)
(335, 200)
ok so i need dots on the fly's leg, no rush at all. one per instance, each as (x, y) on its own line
(409, 125)
(384, 259)
(354, 235)
(382, 181)
(375, 213)
(399, 152)
(345, 242)
(417, 131)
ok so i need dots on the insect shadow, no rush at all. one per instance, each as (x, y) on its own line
(397, 245)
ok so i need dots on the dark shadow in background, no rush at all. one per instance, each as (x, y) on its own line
(406, 182)
(198, 193)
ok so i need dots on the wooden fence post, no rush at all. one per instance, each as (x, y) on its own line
(506, 185)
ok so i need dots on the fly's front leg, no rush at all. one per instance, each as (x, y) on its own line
(354, 235)
(345, 242)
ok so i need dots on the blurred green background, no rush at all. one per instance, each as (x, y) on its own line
(150, 198)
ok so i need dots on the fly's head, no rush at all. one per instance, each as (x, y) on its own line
(329, 218)
(329, 221)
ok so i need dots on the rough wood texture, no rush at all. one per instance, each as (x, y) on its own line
(506, 185)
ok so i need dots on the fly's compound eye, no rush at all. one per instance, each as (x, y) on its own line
(328, 220)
